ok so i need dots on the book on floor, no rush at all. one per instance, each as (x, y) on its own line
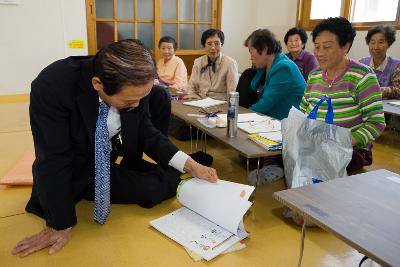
(211, 219)
(235, 247)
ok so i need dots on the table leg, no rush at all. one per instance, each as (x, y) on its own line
(303, 235)
(202, 141)
(197, 140)
(191, 138)
(205, 143)
(255, 186)
(248, 167)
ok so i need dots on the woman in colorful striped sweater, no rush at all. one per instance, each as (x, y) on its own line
(353, 87)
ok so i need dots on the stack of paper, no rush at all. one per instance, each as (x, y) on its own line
(395, 103)
(273, 136)
(211, 222)
(205, 103)
(254, 123)
(237, 246)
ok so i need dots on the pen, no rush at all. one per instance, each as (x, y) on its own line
(244, 121)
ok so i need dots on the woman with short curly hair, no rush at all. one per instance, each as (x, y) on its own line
(352, 86)
(295, 40)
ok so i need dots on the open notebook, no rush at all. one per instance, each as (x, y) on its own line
(253, 123)
(395, 103)
(211, 220)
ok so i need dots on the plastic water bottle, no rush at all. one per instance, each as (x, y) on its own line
(232, 114)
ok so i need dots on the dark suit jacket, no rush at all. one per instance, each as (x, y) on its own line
(63, 112)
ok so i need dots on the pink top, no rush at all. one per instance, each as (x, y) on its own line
(209, 84)
(173, 72)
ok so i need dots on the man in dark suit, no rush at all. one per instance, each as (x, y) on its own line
(68, 122)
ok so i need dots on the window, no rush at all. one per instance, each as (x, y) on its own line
(374, 10)
(362, 13)
(149, 20)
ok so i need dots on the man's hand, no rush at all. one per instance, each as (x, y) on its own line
(45, 238)
(201, 171)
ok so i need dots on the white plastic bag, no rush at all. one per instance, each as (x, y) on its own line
(313, 150)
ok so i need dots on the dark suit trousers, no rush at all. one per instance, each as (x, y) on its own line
(145, 184)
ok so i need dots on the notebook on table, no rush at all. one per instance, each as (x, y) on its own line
(208, 223)
(395, 103)
(205, 103)
(270, 141)
(254, 123)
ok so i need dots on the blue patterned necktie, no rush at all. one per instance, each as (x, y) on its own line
(102, 166)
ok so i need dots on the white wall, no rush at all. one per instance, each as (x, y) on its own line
(34, 34)
(238, 22)
(37, 32)
(240, 18)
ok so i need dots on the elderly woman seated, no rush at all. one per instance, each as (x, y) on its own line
(295, 40)
(171, 70)
(353, 87)
(214, 74)
(278, 82)
(379, 39)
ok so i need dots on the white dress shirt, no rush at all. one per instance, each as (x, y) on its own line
(114, 127)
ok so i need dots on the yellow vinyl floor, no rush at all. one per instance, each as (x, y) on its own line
(128, 240)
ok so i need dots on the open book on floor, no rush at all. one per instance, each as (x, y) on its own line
(235, 247)
(211, 220)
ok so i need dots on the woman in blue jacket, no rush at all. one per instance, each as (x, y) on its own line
(278, 82)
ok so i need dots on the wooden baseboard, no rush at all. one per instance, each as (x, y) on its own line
(20, 98)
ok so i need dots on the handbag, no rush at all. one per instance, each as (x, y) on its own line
(314, 151)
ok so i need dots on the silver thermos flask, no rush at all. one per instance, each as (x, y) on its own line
(232, 114)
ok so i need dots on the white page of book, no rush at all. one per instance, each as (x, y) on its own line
(246, 117)
(196, 233)
(274, 136)
(255, 123)
(205, 103)
(191, 227)
(395, 103)
(223, 202)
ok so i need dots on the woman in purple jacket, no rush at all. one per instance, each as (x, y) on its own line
(295, 40)
(379, 39)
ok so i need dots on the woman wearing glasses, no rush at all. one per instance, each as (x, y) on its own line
(214, 74)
